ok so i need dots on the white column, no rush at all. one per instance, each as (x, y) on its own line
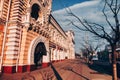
(54, 54)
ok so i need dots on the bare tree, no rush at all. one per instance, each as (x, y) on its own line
(100, 30)
(89, 48)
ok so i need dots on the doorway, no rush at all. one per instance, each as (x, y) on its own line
(40, 50)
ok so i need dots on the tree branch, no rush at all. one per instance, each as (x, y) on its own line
(71, 22)
(118, 9)
(110, 6)
(107, 17)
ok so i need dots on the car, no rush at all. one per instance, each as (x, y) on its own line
(94, 58)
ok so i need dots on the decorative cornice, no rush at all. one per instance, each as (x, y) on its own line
(38, 29)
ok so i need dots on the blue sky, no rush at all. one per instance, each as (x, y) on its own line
(91, 10)
(60, 4)
(82, 8)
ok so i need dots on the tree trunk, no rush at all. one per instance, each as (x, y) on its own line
(114, 67)
(114, 77)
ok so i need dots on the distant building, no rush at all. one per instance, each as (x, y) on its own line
(30, 36)
(118, 50)
(71, 44)
(108, 48)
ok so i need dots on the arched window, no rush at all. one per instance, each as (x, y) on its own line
(35, 11)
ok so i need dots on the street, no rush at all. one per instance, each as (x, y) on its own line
(64, 70)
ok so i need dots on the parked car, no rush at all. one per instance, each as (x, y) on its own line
(95, 58)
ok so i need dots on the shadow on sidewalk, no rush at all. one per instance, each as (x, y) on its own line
(56, 73)
(81, 75)
(70, 69)
(100, 68)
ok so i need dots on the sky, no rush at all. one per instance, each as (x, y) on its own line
(90, 10)
(60, 4)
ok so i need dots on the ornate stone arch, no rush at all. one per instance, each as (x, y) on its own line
(32, 48)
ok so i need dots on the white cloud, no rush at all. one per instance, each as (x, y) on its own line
(90, 10)
(85, 4)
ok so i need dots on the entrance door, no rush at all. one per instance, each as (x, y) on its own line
(40, 50)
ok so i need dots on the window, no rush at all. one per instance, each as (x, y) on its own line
(35, 11)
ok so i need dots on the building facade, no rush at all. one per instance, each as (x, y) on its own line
(30, 36)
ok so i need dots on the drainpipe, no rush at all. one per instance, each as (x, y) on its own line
(5, 34)
(17, 62)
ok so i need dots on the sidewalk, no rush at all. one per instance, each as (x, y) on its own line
(104, 64)
(64, 70)
(108, 66)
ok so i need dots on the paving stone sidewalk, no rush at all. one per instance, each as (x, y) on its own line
(64, 70)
